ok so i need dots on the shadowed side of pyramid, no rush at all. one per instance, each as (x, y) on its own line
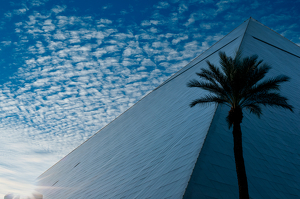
(270, 144)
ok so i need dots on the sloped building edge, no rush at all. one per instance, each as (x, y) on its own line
(184, 69)
(55, 182)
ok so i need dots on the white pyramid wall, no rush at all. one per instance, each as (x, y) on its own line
(150, 150)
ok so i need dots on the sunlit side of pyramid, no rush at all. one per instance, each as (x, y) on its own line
(162, 148)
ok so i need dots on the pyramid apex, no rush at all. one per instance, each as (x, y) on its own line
(251, 19)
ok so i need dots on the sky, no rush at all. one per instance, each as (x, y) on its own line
(69, 67)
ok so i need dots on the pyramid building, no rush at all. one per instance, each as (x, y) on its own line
(162, 148)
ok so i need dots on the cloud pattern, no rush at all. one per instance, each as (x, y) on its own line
(79, 72)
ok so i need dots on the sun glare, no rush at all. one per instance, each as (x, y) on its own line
(25, 193)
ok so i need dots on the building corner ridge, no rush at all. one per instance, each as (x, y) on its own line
(217, 106)
(239, 48)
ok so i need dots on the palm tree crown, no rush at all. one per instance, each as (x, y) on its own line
(238, 84)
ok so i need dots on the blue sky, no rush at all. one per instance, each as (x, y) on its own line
(70, 67)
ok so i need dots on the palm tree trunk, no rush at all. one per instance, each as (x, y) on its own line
(239, 161)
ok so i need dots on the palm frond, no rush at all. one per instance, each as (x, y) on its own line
(269, 99)
(268, 85)
(207, 99)
(207, 75)
(219, 76)
(255, 109)
(254, 76)
(215, 72)
(226, 63)
(214, 88)
(260, 71)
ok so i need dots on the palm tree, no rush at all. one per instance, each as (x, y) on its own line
(238, 83)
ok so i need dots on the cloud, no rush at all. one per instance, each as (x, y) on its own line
(159, 44)
(59, 35)
(214, 38)
(182, 8)
(149, 22)
(58, 9)
(203, 1)
(207, 14)
(153, 30)
(129, 62)
(147, 62)
(8, 15)
(48, 26)
(131, 51)
(174, 17)
(106, 7)
(6, 43)
(191, 20)
(123, 36)
(178, 39)
(104, 21)
(20, 11)
(208, 26)
(142, 68)
(224, 5)
(162, 5)
(37, 2)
